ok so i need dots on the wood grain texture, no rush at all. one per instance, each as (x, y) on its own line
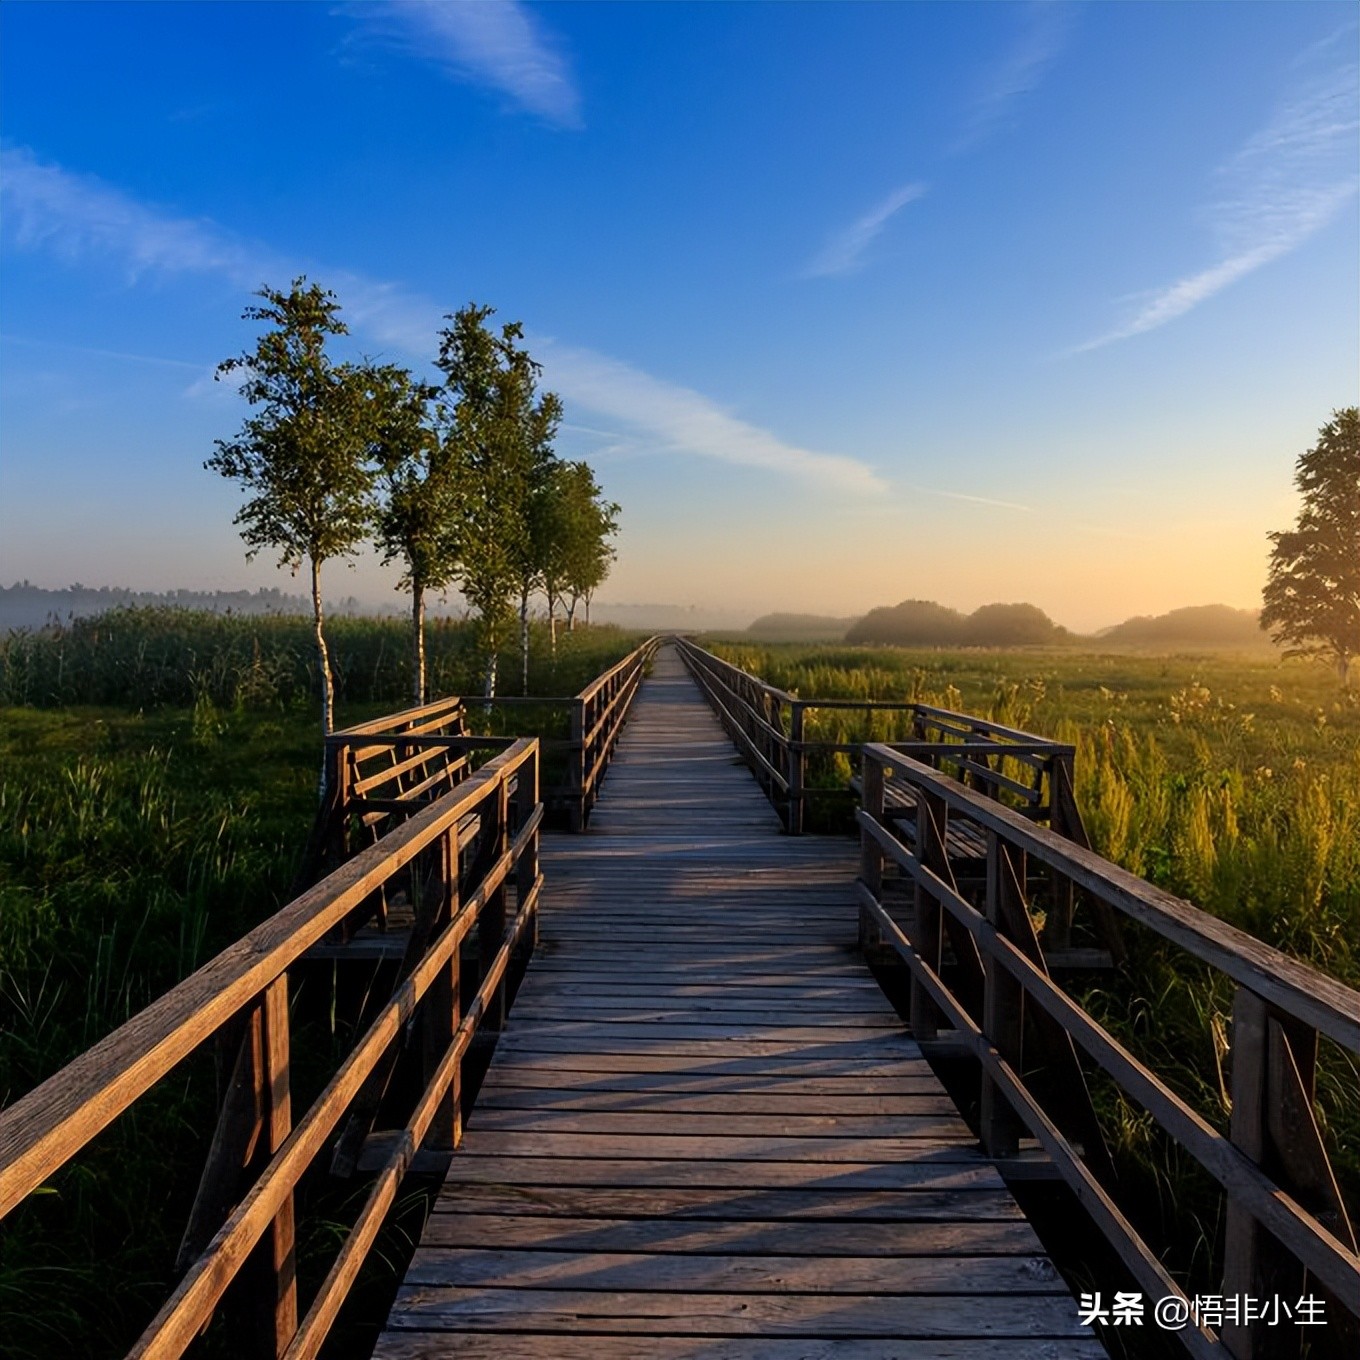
(705, 1132)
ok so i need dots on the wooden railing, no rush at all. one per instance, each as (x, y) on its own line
(495, 893)
(769, 724)
(381, 771)
(1287, 1223)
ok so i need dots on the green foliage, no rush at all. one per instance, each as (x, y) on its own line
(1312, 598)
(498, 436)
(304, 455)
(578, 550)
(134, 845)
(416, 520)
(153, 658)
(130, 853)
(923, 623)
(1231, 781)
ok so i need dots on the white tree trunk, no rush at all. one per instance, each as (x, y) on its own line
(524, 641)
(417, 643)
(323, 656)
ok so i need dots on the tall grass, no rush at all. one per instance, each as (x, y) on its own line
(138, 838)
(156, 656)
(1233, 782)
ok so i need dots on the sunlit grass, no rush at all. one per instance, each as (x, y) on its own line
(137, 839)
(1233, 782)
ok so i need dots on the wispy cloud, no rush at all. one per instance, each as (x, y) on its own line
(1284, 185)
(1020, 69)
(679, 420)
(844, 252)
(80, 218)
(976, 500)
(73, 216)
(123, 356)
(497, 43)
(1044, 26)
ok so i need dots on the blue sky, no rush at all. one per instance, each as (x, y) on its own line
(846, 303)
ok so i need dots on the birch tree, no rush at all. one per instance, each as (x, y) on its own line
(417, 521)
(303, 454)
(497, 427)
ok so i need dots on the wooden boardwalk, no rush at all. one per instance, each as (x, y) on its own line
(704, 1132)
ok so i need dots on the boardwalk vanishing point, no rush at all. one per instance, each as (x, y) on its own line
(705, 1132)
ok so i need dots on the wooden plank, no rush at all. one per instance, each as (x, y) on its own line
(594, 1346)
(932, 1169)
(747, 1237)
(900, 1317)
(622, 1125)
(593, 1270)
(968, 1203)
(501, 1100)
(703, 1118)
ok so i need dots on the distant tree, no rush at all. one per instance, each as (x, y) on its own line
(590, 523)
(304, 454)
(541, 489)
(496, 421)
(1010, 625)
(913, 623)
(1312, 596)
(417, 519)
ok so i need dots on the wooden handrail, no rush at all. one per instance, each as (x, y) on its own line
(249, 981)
(415, 755)
(768, 725)
(1282, 1006)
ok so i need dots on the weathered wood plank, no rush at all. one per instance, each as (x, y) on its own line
(991, 1203)
(704, 1120)
(593, 1346)
(621, 1125)
(596, 1269)
(747, 1237)
(688, 1105)
(900, 1317)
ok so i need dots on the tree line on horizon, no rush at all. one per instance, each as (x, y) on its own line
(455, 481)
(1311, 600)
(925, 623)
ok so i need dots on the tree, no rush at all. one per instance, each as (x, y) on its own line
(497, 429)
(592, 522)
(1312, 597)
(304, 454)
(417, 521)
(540, 489)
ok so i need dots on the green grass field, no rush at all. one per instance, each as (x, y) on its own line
(139, 835)
(1232, 781)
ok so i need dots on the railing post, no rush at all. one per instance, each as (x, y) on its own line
(576, 764)
(1003, 998)
(526, 871)
(337, 798)
(925, 934)
(281, 1312)
(872, 775)
(797, 768)
(443, 1004)
(491, 923)
(1274, 1065)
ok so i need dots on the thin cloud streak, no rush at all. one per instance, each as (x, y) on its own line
(1021, 69)
(976, 500)
(679, 419)
(1286, 184)
(79, 217)
(501, 45)
(49, 208)
(121, 355)
(844, 252)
